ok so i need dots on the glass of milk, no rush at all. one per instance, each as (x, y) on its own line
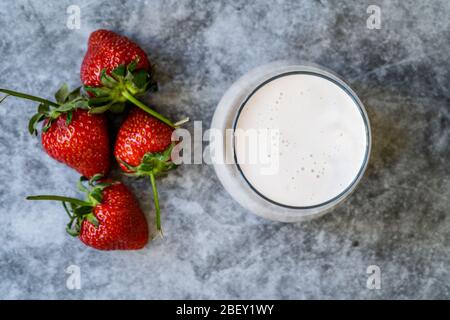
(298, 139)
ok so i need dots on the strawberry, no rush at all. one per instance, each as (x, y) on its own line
(83, 144)
(109, 219)
(107, 50)
(70, 134)
(143, 147)
(116, 70)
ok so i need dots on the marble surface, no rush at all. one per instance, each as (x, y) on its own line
(398, 219)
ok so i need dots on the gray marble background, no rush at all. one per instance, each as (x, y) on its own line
(398, 219)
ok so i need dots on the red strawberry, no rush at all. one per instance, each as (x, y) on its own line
(70, 134)
(139, 134)
(116, 70)
(83, 144)
(107, 50)
(109, 219)
(143, 148)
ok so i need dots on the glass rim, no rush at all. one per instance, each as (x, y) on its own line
(310, 70)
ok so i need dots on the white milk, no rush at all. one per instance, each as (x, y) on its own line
(322, 140)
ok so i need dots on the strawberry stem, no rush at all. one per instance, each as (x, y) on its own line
(155, 114)
(156, 201)
(59, 198)
(181, 122)
(28, 97)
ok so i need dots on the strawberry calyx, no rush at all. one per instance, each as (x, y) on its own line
(123, 84)
(153, 165)
(156, 163)
(80, 210)
(66, 102)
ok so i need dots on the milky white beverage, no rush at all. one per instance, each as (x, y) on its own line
(319, 139)
(315, 144)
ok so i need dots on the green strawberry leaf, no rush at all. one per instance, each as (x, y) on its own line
(73, 232)
(140, 78)
(146, 167)
(81, 104)
(99, 101)
(47, 125)
(103, 185)
(101, 109)
(74, 94)
(95, 178)
(126, 165)
(132, 66)
(82, 210)
(96, 195)
(69, 116)
(154, 163)
(73, 206)
(32, 124)
(62, 94)
(80, 184)
(107, 80)
(98, 92)
(67, 209)
(68, 106)
(43, 108)
(92, 219)
(119, 72)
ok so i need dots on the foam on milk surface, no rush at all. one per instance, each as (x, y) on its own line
(322, 139)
